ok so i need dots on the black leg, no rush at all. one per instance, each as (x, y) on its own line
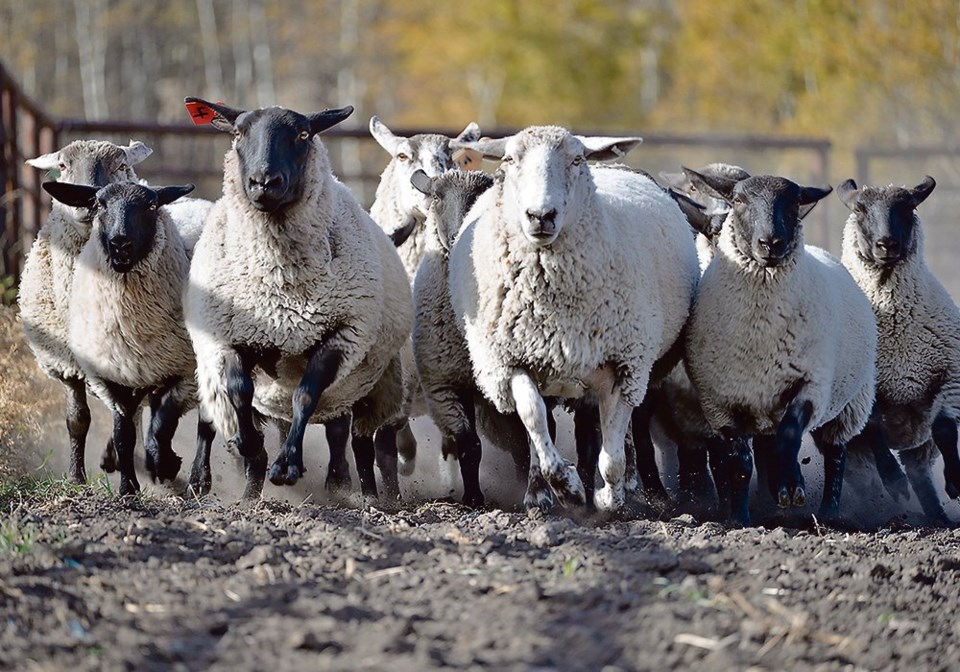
(740, 470)
(321, 370)
(693, 480)
(551, 421)
(945, 436)
(385, 450)
(338, 436)
(764, 449)
(470, 450)
(406, 448)
(872, 441)
(834, 462)
(78, 423)
(786, 466)
(646, 453)
(127, 402)
(586, 429)
(249, 439)
(201, 480)
(717, 451)
(363, 455)
(165, 410)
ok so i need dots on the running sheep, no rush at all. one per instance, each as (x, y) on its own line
(918, 356)
(294, 294)
(44, 295)
(780, 341)
(125, 324)
(569, 278)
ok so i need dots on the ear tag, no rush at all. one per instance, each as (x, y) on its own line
(200, 114)
(467, 159)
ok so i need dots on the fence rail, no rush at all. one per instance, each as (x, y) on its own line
(184, 152)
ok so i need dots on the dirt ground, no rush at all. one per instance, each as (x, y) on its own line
(166, 583)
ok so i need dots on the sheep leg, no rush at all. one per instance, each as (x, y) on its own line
(917, 464)
(642, 417)
(891, 473)
(740, 470)
(364, 455)
(385, 452)
(614, 417)
(165, 412)
(201, 480)
(764, 449)
(945, 436)
(127, 402)
(693, 480)
(338, 436)
(586, 431)
(248, 440)
(538, 494)
(321, 370)
(834, 462)
(560, 474)
(78, 423)
(406, 449)
(719, 468)
(790, 486)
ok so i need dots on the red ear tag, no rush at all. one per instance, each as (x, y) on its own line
(200, 114)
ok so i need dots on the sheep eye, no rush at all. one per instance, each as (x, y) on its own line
(61, 166)
(403, 157)
(507, 159)
(153, 206)
(238, 135)
(577, 160)
(738, 200)
(305, 135)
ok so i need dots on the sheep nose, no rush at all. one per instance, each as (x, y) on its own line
(544, 218)
(120, 244)
(889, 246)
(772, 246)
(266, 181)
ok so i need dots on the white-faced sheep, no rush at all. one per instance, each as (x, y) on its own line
(400, 210)
(295, 294)
(918, 356)
(566, 278)
(781, 340)
(126, 319)
(48, 274)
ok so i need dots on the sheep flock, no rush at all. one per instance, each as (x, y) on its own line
(682, 321)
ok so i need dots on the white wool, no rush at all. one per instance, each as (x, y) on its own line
(189, 215)
(918, 353)
(284, 282)
(755, 332)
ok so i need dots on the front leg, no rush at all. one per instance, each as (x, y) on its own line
(614, 418)
(739, 471)
(323, 362)
(642, 417)
(834, 462)
(337, 432)
(78, 423)
(560, 474)
(126, 406)
(201, 479)
(789, 481)
(248, 440)
(166, 408)
(945, 436)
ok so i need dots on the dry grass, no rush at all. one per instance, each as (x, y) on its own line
(26, 396)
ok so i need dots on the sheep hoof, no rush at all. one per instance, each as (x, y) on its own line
(474, 500)
(799, 497)
(609, 498)
(783, 497)
(538, 495)
(405, 466)
(199, 485)
(337, 482)
(164, 468)
(568, 487)
(284, 473)
(108, 461)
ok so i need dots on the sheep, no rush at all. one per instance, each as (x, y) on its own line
(568, 278)
(400, 210)
(294, 293)
(780, 340)
(44, 296)
(125, 320)
(918, 356)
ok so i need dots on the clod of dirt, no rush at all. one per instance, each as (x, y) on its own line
(260, 555)
(545, 536)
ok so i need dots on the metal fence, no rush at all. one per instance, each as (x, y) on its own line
(187, 153)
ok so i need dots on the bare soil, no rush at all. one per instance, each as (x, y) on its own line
(163, 583)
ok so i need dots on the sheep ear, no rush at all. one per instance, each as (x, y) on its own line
(384, 136)
(847, 192)
(600, 148)
(45, 161)
(718, 186)
(422, 182)
(77, 195)
(470, 134)
(487, 148)
(167, 195)
(694, 212)
(321, 121)
(673, 180)
(920, 192)
(224, 116)
(811, 195)
(136, 152)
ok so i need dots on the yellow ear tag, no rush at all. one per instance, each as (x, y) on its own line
(467, 159)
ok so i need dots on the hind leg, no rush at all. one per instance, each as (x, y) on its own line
(78, 424)
(945, 436)
(385, 450)
(834, 462)
(166, 408)
(200, 474)
(917, 463)
(587, 435)
(646, 453)
(337, 432)
(406, 449)
(248, 440)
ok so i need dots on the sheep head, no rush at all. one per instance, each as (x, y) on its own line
(273, 145)
(125, 216)
(451, 195)
(886, 220)
(765, 213)
(429, 152)
(546, 178)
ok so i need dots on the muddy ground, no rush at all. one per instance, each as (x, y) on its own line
(167, 583)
